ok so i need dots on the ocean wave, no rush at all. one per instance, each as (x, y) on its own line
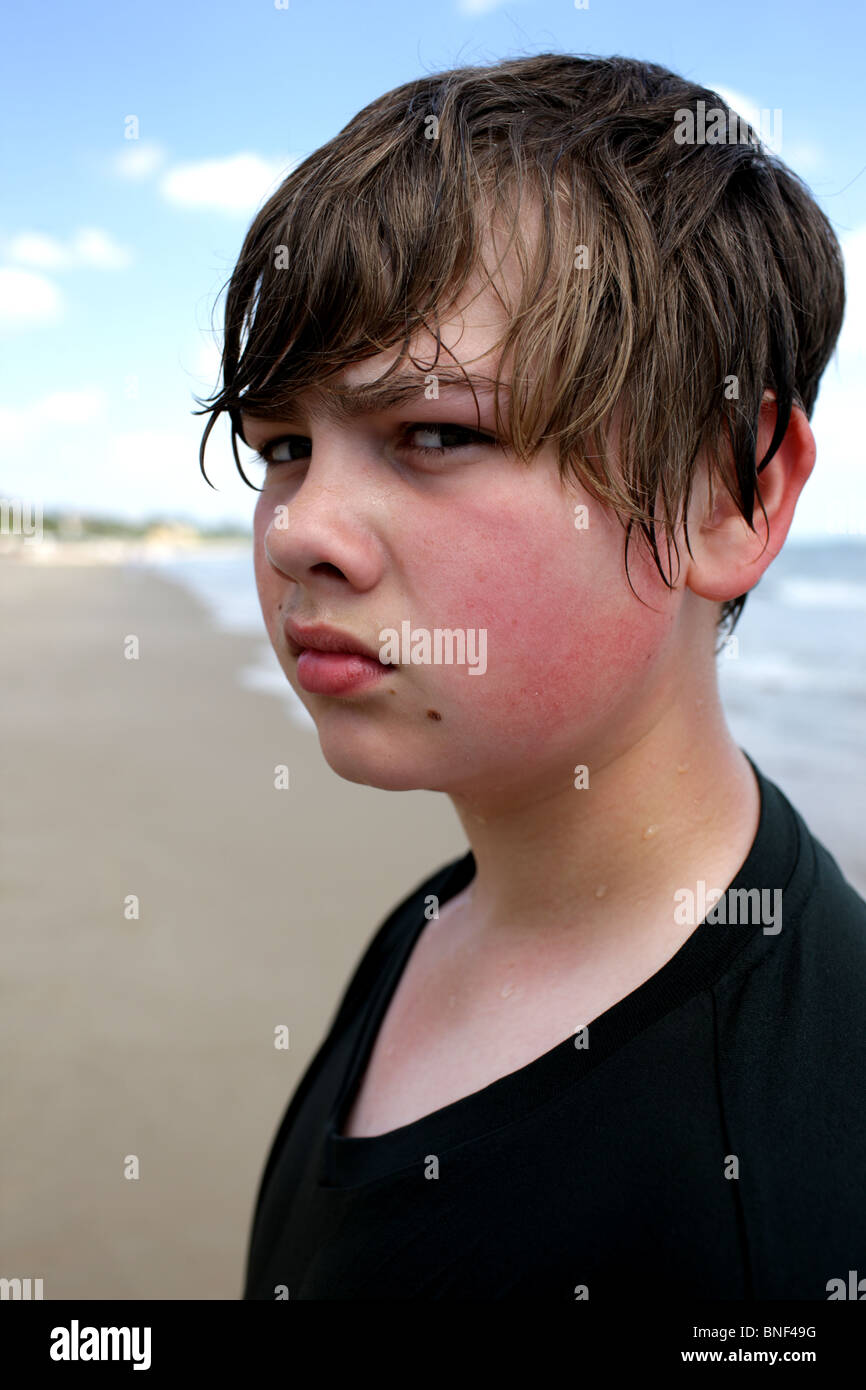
(778, 672)
(820, 593)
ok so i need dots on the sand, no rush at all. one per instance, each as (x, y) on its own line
(155, 1037)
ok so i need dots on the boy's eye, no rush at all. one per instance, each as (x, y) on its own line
(288, 442)
(440, 438)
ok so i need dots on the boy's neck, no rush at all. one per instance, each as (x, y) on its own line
(676, 804)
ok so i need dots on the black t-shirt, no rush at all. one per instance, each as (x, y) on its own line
(708, 1142)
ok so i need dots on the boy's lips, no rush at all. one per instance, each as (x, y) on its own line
(320, 638)
(331, 662)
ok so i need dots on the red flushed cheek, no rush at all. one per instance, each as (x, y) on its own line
(567, 642)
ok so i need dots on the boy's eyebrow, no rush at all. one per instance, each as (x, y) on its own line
(342, 404)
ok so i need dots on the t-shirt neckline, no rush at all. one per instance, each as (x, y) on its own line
(705, 955)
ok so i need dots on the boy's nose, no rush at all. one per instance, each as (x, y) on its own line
(322, 530)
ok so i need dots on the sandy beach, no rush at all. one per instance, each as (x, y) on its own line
(154, 1037)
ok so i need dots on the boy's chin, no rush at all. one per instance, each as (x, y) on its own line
(379, 759)
(388, 773)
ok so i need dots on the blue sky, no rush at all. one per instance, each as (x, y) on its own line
(113, 251)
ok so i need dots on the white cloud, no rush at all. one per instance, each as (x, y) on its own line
(142, 455)
(478, 6)
(139, 159)
(26, 297)
(74, 407)
(158, 470)
(834, 499)
(95, 248)
(767, 121)
(804, 156)
(33, 248)
(19, 424)
(206, 361)
(238, 183)
(90, 247)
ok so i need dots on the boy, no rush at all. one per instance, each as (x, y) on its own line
(531, 375)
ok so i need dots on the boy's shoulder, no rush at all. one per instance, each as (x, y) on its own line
(824, 912)
(799, 993)
(390, 941)
(798, 988)
(791, 1066)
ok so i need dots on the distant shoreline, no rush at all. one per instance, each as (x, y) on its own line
(115, 550)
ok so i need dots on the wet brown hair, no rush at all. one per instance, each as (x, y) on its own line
(703, 263)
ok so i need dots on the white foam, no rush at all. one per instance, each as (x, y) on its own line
(268, 678)
(224, 581)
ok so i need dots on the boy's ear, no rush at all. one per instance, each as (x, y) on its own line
(727, 558)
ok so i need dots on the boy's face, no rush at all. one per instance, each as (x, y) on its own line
(379, 534)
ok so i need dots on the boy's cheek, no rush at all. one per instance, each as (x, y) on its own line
(550, 671)
(563, 632)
